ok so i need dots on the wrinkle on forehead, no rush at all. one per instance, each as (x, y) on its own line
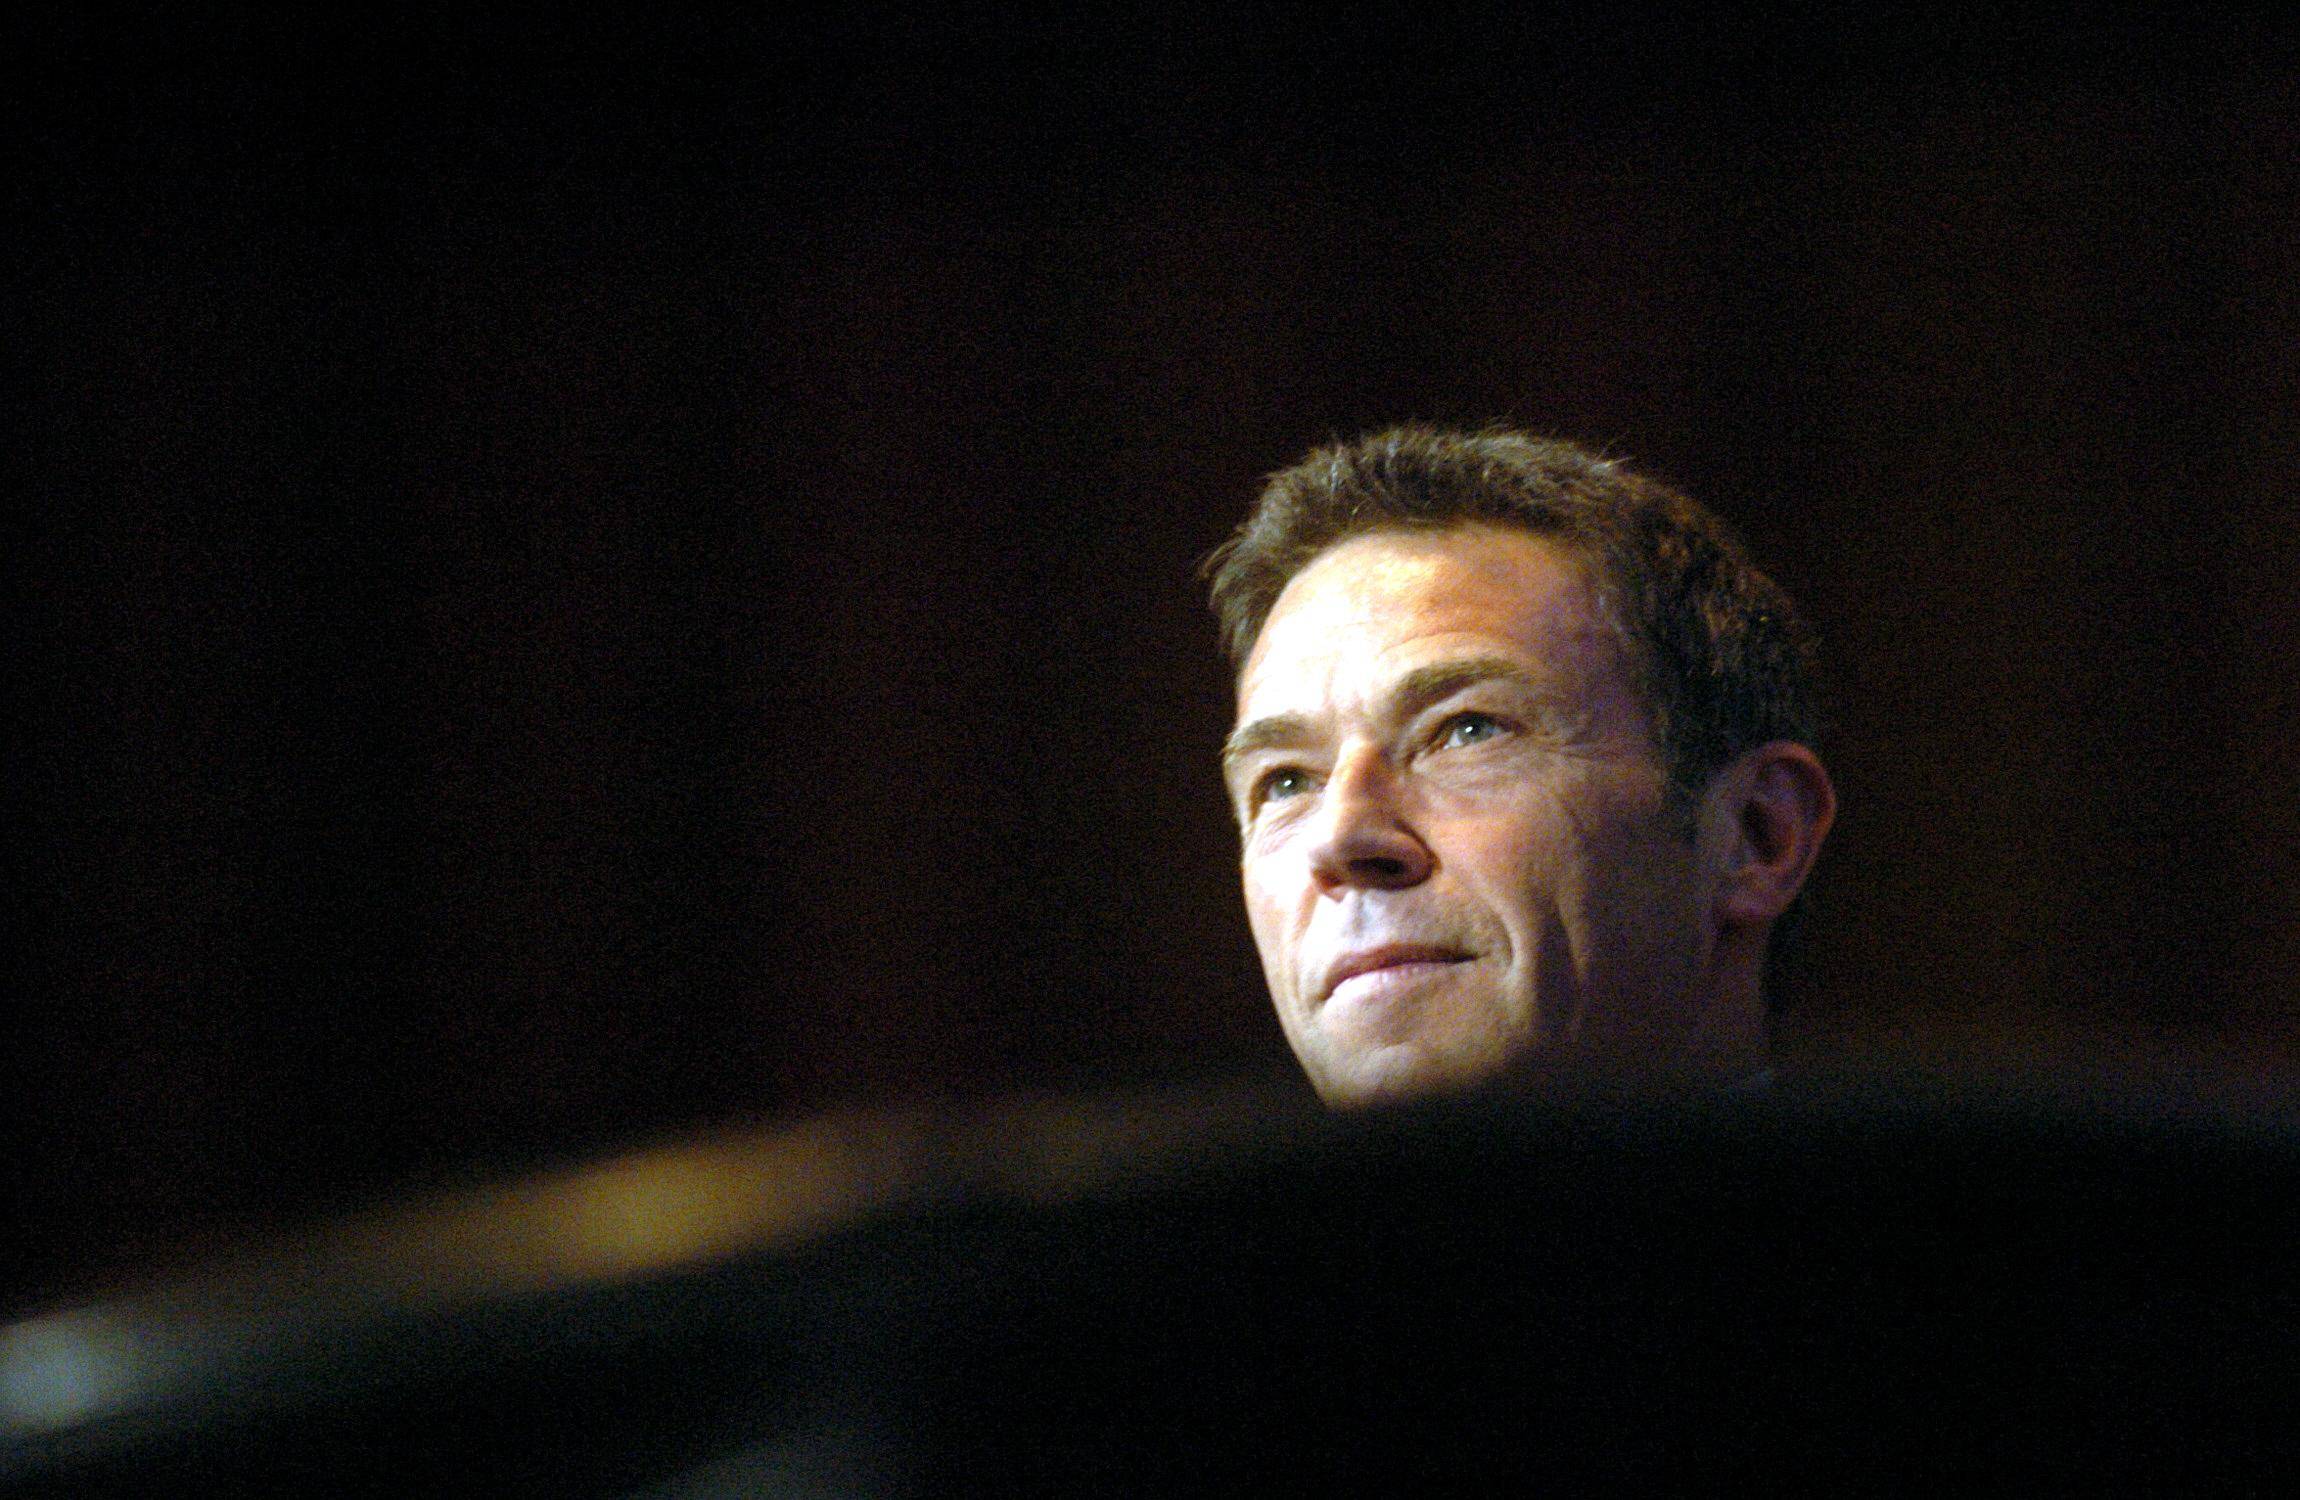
(1537, 597)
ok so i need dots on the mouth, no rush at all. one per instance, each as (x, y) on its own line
(1389, 964)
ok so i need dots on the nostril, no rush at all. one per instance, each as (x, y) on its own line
(1383, 870)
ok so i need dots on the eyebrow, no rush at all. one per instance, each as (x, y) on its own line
(1411, 694)
(1275, 732)
(1423, 686)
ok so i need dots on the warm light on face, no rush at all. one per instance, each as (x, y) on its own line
(1456, 851)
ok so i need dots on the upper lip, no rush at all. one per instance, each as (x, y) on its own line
(1389, 955)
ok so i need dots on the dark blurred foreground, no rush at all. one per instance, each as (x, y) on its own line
(1996, 1289)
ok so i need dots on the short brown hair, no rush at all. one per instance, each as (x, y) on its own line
(1723, 658)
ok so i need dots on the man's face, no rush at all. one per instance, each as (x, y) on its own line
(1459, 861)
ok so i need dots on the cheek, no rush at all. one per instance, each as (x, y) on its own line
(1517, 863)
(1559, 877)
(1265, 912)
(1643, 894)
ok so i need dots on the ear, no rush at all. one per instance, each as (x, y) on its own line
(1770, 809)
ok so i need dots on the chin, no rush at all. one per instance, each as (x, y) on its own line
(1401, 1074)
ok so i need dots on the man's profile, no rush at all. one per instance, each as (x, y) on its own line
(1522, 767)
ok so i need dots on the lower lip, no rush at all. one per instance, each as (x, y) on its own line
(1365, 999)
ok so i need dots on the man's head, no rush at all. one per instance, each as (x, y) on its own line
(1521, 765)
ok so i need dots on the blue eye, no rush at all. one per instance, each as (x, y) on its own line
(1467, 729)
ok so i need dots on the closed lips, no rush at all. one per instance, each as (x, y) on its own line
(1394, 956)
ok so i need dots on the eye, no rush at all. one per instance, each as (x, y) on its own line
(1278, 783)
(1467, 729)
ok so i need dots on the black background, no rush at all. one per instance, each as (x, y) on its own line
(585, 578)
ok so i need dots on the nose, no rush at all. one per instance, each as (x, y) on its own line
(1363, 839)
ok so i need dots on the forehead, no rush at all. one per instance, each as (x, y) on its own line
(1375, 607)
